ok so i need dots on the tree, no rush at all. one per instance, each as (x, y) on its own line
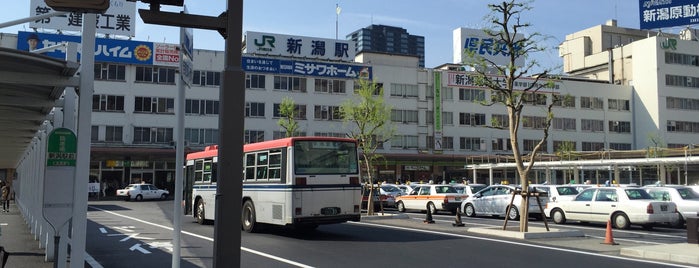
(288, 111)
(507, 33)
(369, 117)
(566, 151)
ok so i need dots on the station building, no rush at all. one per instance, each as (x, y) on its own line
(624, 86)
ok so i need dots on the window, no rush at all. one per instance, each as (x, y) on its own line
(681, 59)
(263, 166)
(618, 104)
(564, 101)
(593, 103)
(114, 134)
(620, 126)
(325, 112)
(110, 72)
(404, 142)
(534, 98)
(94, 133)
(158, 75)
(682, 103)
(585, 195)
(682, 126)
(107, 103)
(330, 134)
(590, 125)
(447, 117)
(681, 81)
(330, 86)
(404, 116)
(447, 143)
(377, 90)
(561, 145)
(620, 146)
(502, 145)
(528, 145)
(254, 81)
(201, 107)
(204, 171)
(154, 105)
(299, 110)
(447, 94)
(500, 120)
(252, 136)
(471, 119)
(592, 146)
(471, 144)
(206, 78)
(201, 136)
(282, 134)
(404, 90)
(254, 109)
(534, 122)
(152, 135)
(567, 124)
(288, 83)
(467, 94)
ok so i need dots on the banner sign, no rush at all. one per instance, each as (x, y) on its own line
(476, 41)
(466, 80)
(62, 148)
(299, 46)
(296, 67)
(656, 14)
(119, 19)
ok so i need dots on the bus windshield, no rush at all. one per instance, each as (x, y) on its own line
(325, 157)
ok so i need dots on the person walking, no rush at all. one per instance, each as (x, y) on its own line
(5, 197)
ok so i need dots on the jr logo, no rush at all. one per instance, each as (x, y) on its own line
(669, 44)
(266, 39)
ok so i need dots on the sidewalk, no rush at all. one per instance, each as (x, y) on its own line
(23, 250)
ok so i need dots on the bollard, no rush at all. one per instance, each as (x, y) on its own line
(428, 216)
(457, 222)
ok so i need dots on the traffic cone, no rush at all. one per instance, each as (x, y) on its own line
(457, 222)
(428, 216)
(608, 238)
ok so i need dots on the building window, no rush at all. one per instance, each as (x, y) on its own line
(282, 134)
(404, 90)
(330, 134)
(502, 145)
(154, 105)
(618, 104)
(252, 136)
(447, 117)
(471, 119)
(534, 98)
(682, 103)
(145, 135)
(330, 86)
(201, 107)
(534, 122)
(254, 81)
(447, 143)
(682, 126)
(158, 75)
(620, 146)
(564, 101)
(377, 89)
(468, 94)
(325, 112)
(567, 124)
(528, 145)
(471, 144)
(201, 136)
(560, 145)
(254, 109)
(500, 120)
(288, 83)
(206, 78)
(590, 125)
(681, 59)
(592, 146)
(94, 133)
(404, 116)
(620, 126)
(593, 103)
(682, 81)
(299, 110)
(107, 103)
(114, 134)
(110, 72)
(404, 142)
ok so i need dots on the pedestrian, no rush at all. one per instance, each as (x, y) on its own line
(5, 197)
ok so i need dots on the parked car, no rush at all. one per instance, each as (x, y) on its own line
(142, 191)
(558, 192)
(494, 200)
(379, 199)
(391, 189)
(406, 189)
(434, 197)
(623, 206)
(684, 197)
(469, 189)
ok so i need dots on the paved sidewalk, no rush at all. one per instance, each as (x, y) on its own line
(24, 251)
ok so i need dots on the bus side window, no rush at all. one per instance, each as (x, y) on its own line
(261, 173)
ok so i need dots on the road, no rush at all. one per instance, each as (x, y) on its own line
(138, 234)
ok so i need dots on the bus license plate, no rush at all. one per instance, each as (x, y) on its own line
(330, 211)
(663, 207)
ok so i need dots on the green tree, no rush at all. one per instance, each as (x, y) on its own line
(368, 117)
(566, 151)
(288, 111)
(507, 32)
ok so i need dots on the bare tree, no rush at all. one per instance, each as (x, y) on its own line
(288, 111)
(507, 30)
(369, 117)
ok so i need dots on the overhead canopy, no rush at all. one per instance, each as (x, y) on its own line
(30, 84)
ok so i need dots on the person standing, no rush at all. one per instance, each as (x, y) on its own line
(5, 197)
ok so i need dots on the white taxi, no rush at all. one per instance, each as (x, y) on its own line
(623, 206)
(434, 197)
(142, 191)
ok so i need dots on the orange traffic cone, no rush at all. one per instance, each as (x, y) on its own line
(609, 238)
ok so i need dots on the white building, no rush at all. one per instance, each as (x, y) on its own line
(133, 107)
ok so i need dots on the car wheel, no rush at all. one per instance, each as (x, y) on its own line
(432, 208)
(163, 196)
(470, 211)
(558, 216)
(513, 214)
(679, 223)
(249, 221)
(139, 197)
(199, 213)
(621, 221)
(401, 206)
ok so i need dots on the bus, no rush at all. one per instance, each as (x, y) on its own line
(301, 182)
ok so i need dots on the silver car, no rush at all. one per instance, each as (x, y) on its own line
(494, 200)
(686, 199)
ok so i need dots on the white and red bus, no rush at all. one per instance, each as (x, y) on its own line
(298, 181)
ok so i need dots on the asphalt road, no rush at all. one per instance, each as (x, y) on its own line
(138, 234)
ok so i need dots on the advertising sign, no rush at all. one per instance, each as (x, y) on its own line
(296, 67)
(473, 40)
(299, 46)
(466, 80)
(437, 111)
(656, 14)
(119, 19)
(59, 176)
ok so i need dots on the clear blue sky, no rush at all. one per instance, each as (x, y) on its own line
(435, 20)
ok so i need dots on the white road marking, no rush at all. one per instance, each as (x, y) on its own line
(139, 248)
(103, 230)
(92, 262)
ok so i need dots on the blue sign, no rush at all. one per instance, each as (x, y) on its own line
(106, 50)
(656, 14)
(295, 67)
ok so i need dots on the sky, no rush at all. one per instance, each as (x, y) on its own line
(435, 20)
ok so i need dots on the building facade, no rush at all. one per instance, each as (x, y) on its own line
(389, 39)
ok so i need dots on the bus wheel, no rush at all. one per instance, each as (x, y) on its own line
(248, 217)
(200, 213)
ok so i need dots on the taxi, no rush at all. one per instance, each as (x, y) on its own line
(435, 197)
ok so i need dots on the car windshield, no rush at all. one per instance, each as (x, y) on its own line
(636, 194)
(391, 189)
(477, 188)
(445, 189)
(687, 193)
(566, 190)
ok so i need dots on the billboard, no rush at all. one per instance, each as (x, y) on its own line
(299, 46)
(308, 68)
(119, 19)
(473, 40)
(106, 50)
(656, 14)
(468, 80)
